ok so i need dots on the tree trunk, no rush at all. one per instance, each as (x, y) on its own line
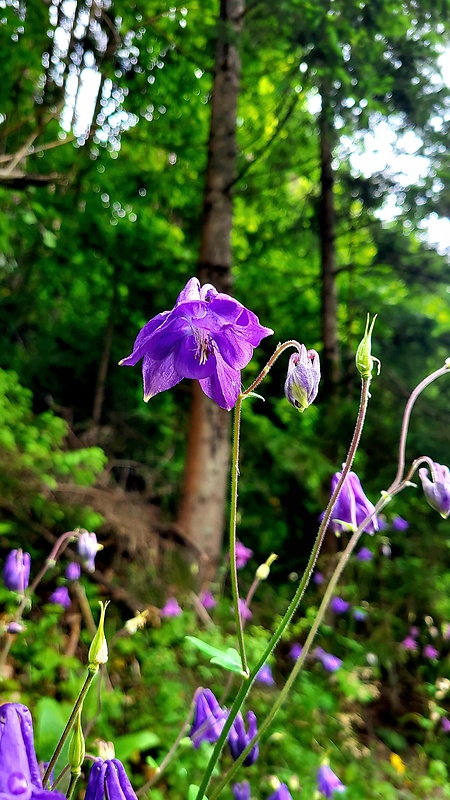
(331, 362)
(202, 511)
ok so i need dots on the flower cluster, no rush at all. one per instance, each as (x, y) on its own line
(208, 722)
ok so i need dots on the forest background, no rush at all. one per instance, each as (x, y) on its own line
(142, 144)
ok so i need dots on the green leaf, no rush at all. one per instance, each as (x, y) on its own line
(134, 743)
(193, 792)
(230, 659)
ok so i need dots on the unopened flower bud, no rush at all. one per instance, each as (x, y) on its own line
(364, 358)
(77, 748)
(263, 571)
(16, 571)
(98, 651)
(303, 378)
(437, 491)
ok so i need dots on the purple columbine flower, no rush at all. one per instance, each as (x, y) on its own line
(445, 724)
(327, 782)
(265, 675)
(282, 793)
(303, 378)
(430, 652)
(339, 606)
(329, 662)
(207, 600)
(16, 571)
(88, 548)
(409, 644)
(318, 578)
(171, 608)
(19, 771)
(208, 336)
(296, 651)
(238, 738)
(108, 779)
(60, 597)
(437, 491)
(364, 554)
(359, 615)
(241, 791)
(244, 611)
(400, 524)
(209, 718)
(73, 571)
(352, 505)
(15, 627)
(243, 554)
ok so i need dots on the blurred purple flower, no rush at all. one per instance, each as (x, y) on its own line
(430, 652)
(400, 524)
(339, 606)
(244, 610)
(414, 632)
(207, 336)
(282, 793)
(437, 491)
(445, 723)
(88, 548)
(73, 571)
(19, 770)
(265, 675)
(209, 718)
(330, 662)
(296, 651)
(352, 505)
(171, 608)
(359, 615)
(409, 643)
(16, 571)
(364, 554)
(15, 627)
(327, 782)
(207, 600)
(238, 738)
(318, 578)
(108, 779)
(60, 597)
(243, 554)
(241, 791)
(303, 376)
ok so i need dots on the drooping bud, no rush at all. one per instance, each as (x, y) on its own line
(302, 381)
(263, 571)
(364, 358)
(437, 491)
(98, 651)
(16, 571)
(77, 748)
(88, 548)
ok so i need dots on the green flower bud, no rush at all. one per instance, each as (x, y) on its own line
(98, 651)
(263, 571)
(77, 749)
(364, 358)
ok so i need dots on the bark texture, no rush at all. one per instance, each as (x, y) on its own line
(331, 361)
(202, 510)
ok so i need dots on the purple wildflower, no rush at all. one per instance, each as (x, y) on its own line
(352, 506)
(282, 793)
(330, 662)
(88, 548)
(327, 782)
(108, 779)
(60, 597)
(19, 770)
(171, 608)
(16, 571)
(364, 554)
(209, 718)
(400, 524)
(445, 723)
(359, 615)
(318, 578)
(303, 378)
(241, 791)
(238, 738)
(409, 644)
(414, 632)
(430, 652)
(265, 675)
(437, 491)
(296, 651)
(15, 627)
(207, 600)
(339, 606)
(208, 336)
(243, 554)
(244, 611)
(73, 571)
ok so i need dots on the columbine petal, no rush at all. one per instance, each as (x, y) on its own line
(188, 364)
(140, 345)
(224, 385)
(158, 376)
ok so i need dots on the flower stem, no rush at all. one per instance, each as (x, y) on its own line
(78, 704)
(72, 783)
(233, 523)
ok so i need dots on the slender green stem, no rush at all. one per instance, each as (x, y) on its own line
(72, 783)
(233, 523)
(246, 686)
(79, 702)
